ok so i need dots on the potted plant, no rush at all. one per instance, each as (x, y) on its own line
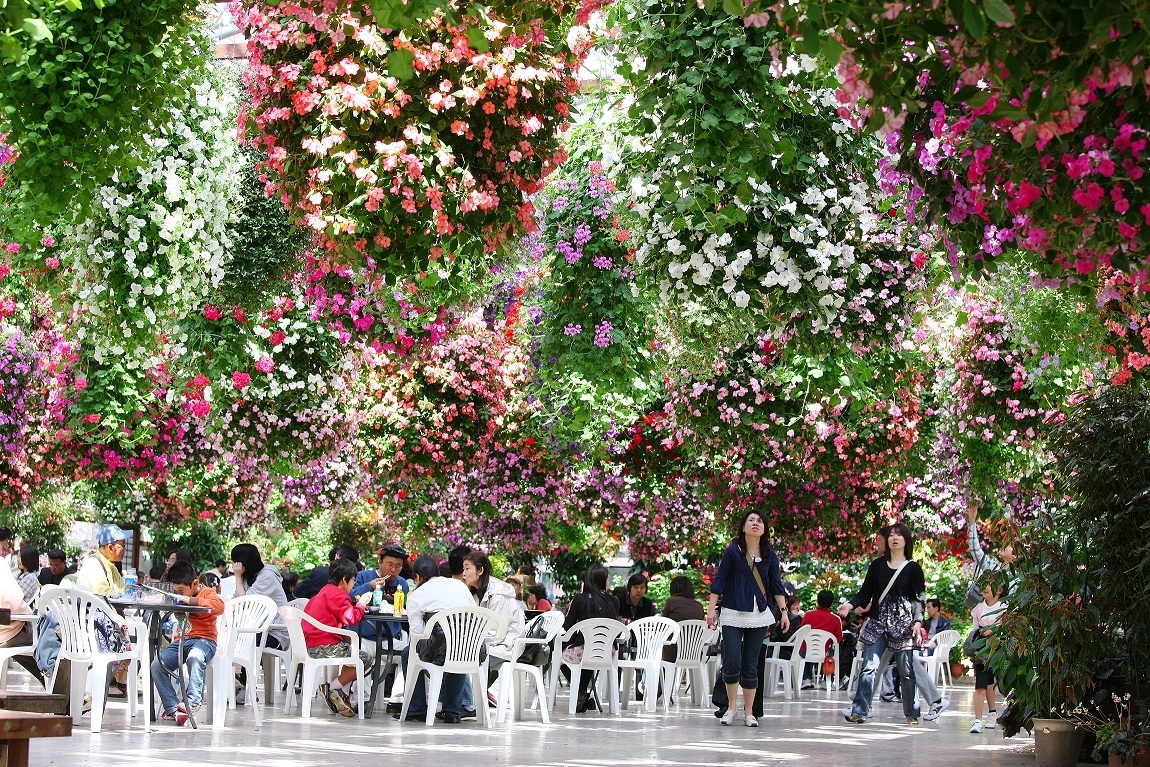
(1117, 732)
(1050, 642)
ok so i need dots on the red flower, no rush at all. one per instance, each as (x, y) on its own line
(239, 315)
(211, 312)
(276, 338)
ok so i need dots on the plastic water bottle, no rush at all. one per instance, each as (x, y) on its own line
(377, 596)
(130, 580)
(399, 596)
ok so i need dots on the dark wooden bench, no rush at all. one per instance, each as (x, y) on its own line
(33, 702)
(17, 727)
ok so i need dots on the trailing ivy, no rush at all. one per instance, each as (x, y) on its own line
(79, 100)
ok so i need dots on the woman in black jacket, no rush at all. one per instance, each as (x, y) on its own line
(633, 602)
(593, 602)
(895, 589)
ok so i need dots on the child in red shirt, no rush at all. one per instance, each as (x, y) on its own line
(333, 606)
(199, 644)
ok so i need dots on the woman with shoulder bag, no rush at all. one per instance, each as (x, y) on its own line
(748, 579)
(593, 602)
(896, 585)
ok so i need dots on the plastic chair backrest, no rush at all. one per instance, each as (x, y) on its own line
(599, 635)
(293, 619)
(817, 644)
(948, 638)
(795, 641)
(298, 604)
(553, 622)
(76, 612)
(245, 618)
(694, 636)
(464, 629)
(648, 635)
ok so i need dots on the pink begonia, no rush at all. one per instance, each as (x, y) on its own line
(265, 364)
(48, 242)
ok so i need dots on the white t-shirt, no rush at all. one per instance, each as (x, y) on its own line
(436, 594)
(984, 615)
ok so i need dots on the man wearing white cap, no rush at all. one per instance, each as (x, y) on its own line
(99, 572)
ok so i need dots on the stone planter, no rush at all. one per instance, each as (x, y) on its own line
(1056, 743)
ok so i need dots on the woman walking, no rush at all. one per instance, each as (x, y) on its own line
(895, 586)
(749, 577)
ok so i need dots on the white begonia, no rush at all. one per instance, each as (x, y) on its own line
(161, 228)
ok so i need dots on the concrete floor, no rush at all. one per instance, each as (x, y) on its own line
(808, 732)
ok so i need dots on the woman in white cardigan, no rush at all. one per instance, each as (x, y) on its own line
(499, 597)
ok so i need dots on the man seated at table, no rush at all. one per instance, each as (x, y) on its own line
(100, 572)
(333, 606)
(387, 579)
(56, 570)
(198, 644)
(433, 593)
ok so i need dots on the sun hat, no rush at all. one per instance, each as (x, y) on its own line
(109, 534)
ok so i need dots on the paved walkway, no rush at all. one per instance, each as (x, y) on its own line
(808, 732)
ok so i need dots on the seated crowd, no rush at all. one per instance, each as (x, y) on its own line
(339, 593)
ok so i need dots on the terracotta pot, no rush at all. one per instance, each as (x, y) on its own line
(1143, 756)
(957, 670)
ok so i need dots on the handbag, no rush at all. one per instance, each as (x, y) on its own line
(535, 654)
(773, 606)
(828, 667)
(972, 644)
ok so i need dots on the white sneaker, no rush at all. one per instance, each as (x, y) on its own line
(936, 710)
(807, 685)
(977, 726)
(750, 721)
(991, 720)
(728, 717)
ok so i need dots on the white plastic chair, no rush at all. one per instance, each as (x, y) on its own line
(464, 631)
(599, 636)
(690, 661)
(77, 610)
(294, 618)
(938, 665)
(789, 671)
(648, 637)
(7, 654)
(244, 619)
(514, 675)
(817, 652)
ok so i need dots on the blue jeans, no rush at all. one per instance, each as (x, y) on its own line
(198, 653)
(740, 652)
(450, 692)
(864, 696)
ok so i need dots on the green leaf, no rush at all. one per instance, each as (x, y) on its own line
(37, 29)
(973, 21)
(400, 64)
(997, 10)
(733, 7)
(477, 40)
(9, 48)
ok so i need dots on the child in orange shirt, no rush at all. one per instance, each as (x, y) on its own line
(199, 643)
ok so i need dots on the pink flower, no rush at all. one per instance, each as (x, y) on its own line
(239, 315)
(211, 312)
(241, 380)
(1089, 197)
(1084, 266)
(81, 384)
(265, 364)
(92, 418)
(13, 247)
(48, 242)
(51, 262)
(276, 338)
(201, 408)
